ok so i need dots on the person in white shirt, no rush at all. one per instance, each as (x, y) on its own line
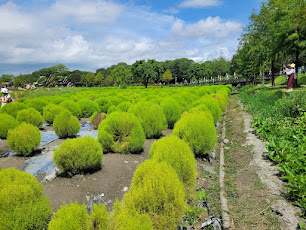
(290, 76)
(6, 97)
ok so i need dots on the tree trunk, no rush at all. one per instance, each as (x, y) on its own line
(297, 63)
(263, 77)
(272, 73)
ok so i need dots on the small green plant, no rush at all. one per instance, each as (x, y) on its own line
(124, 106)
(37, 103)
(72, 107)
(71, 217)
(23, 139)
(179, 156)
(30, 116)
(22, 202)
(88, 107)
(104, 104)
(50, 111)
(198, 130)
(157, 190)
(7, 122)
(171, 110)
(13, 108)
(121, 132)
(66, 125)
(213, 106)
(78, 155)
(100, 217)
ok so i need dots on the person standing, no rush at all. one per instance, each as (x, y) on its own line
(6, 97)
(290, 76)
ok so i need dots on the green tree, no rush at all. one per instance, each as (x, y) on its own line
(167, 76)
(145, 71)
(88, 79)
(99, 79)
(18, 82)
(121, 74)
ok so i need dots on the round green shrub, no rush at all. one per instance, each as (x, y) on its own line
(66, 125)
(22, 202)
(30, 116)
(72, 107)
(198, 130)
(37, 104)
(171, 110)
(58, 100)
(129, 218)
(116, 100)
(71, 217)
(112, 109)
(13, 108)
(23, 139)
(88, 107)
(100, 217)
(151, 117)
(124, 106)
(50, 111)
(104, 104)
(7, 122)
(78, 155)
(213, 106)
(179, 156)
(157, 190)
(121, 132)
(221, 101)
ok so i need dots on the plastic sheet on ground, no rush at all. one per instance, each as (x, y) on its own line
(47, 137)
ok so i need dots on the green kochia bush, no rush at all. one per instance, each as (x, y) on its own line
(72, 107)
(13, 108)
(179, 156)
(198, 130)
(151, 117)
(121, 132)
(100, 217)
(71, 217)
(171, 110)
(31, 116)
(66, 125)
(51, 111)
(37, 104)
(7, 122)
(22, 202)
(157, 190)
(88, 107)
(79, 155)
(213, 106)
(23, 139)
(104, 104)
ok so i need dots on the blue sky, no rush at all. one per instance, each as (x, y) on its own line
(90, 34)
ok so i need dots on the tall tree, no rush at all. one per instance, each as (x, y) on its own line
(167, 76)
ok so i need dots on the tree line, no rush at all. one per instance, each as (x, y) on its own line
(143, 72)
(276, 35)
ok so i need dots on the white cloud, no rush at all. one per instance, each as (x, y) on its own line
(212, 27)
(171, 11)
(199, 3)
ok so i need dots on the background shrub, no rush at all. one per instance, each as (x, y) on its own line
(66, 125)
(22, 202)
(112, 109)
(30, 116)
(72, 107)
(171, 110)
(7, 122)
(179, 156)
(13, 108)
(124, 106)
(88, 107)
(71, 217)
(24, 139)
(37, 103)
(121, 132)
(198, 130)
(151, 117)
(104, 104)
(213, 106)
(157, 191)
(78, 155)
(50, 111)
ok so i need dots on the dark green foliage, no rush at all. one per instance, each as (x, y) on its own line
(22, 202)
(37, 104)
(51, 111)
(179, 156)
(171, 110)
(151, 117)
(72, 107)
(198, 130)
(66, 125)
(78, 155)
(71, 217)
(104, 104)
(23, 139)
(13, 108)
(7, 122)
(31, 116)
(157, 191)
(121, 132)
(88, 107)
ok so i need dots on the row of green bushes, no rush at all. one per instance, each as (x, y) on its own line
(280, 119)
